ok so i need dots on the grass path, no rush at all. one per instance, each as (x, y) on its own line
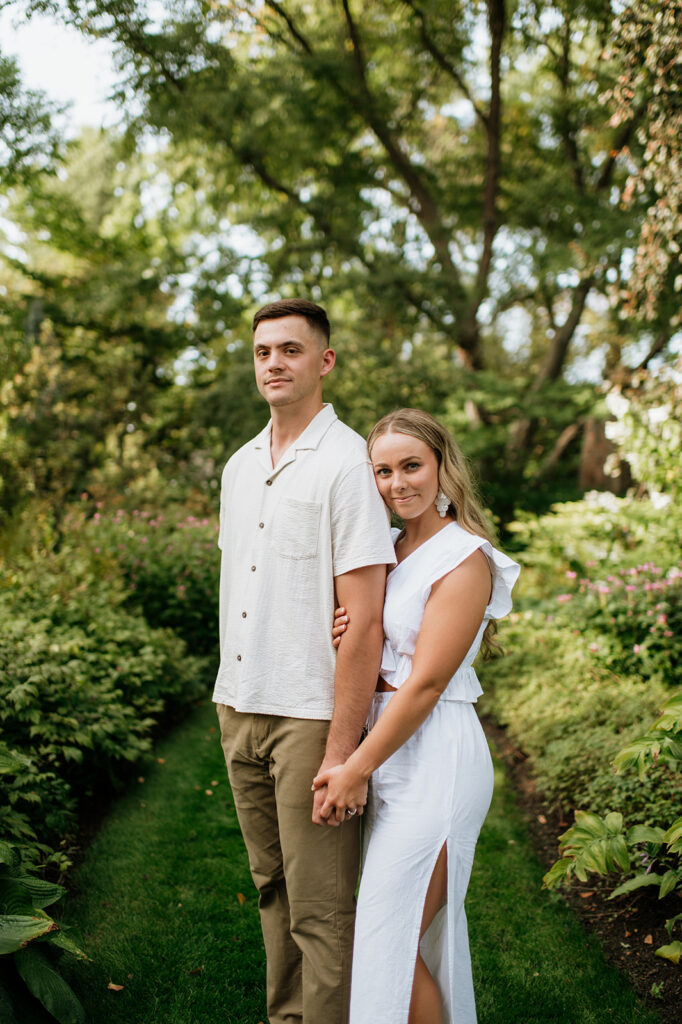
(166, 909)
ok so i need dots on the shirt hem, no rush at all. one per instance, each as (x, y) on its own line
(310, 714)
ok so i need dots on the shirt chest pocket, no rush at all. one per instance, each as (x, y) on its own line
(297, 528)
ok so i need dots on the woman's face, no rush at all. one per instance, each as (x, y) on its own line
(406, 472)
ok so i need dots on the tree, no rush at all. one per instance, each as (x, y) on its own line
(29, 142)
(446, 177)
(91, 335)
(648, 39)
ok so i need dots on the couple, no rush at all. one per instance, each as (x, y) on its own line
(303, 529)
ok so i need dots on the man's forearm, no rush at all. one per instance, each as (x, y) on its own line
(357, 669)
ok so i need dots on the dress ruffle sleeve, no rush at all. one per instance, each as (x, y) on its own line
(504, 570)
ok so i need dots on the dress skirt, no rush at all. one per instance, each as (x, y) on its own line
(435, 790)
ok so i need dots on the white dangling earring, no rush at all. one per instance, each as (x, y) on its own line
(442, 503)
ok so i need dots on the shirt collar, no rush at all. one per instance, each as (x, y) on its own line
(311, 436)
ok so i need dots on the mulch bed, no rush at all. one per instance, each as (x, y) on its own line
(630, 928)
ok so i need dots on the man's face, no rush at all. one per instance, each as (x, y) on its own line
(289, 359)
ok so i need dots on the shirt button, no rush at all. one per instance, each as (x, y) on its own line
(239, 657)
(243, 615)
(253, 568)
(261, 525)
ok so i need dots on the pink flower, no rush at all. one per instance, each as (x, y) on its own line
(603, 589)
(570, 575)
(594, 647)
(667, 632)
(637, 648)
(630, 587)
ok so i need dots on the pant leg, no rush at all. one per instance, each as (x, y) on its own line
(306, 874)
(321, 866)
(253, 789)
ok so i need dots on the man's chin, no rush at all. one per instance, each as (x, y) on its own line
(277, 399)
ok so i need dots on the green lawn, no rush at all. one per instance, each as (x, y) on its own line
(166, 908)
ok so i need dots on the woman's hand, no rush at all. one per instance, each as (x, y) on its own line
(341, 620)
(346, 791)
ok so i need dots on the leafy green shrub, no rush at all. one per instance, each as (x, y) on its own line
(169, 564)
(83, 679)
(572, 714)
(597, 536)
(596, 653)
(31, 944)
(634, 618)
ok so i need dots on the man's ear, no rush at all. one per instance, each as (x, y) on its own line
(328, 361)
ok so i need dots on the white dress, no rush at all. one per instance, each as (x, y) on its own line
(434, 790)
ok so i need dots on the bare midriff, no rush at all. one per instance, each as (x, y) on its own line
(383, 686)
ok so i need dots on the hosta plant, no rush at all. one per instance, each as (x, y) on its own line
(650, 855)
(31, 943)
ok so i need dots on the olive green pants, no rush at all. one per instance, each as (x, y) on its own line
(305, 874)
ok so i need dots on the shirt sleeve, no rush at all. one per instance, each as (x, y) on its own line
(360, 522)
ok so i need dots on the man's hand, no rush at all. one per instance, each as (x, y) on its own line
(320, 797)
(346, 789)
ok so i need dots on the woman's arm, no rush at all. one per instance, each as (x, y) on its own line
(452, 617)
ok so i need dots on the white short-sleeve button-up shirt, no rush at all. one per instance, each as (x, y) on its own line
(285, 533)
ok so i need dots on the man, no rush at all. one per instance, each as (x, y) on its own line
(302, 526)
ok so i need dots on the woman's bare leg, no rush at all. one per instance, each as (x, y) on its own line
(426, 1006)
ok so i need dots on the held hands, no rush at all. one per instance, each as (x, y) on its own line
(344, 790)
(341, 621)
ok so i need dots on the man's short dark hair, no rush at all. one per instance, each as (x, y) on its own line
(310, 311)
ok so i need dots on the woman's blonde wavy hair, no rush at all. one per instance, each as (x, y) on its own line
(454, 478)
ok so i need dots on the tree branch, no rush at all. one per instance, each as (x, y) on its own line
(443, 62)
(558, 350)
(567, 435)
(567, 132)
(496, 26)
(423, 204)
(279, 9)
(658, 344)
(619, 143)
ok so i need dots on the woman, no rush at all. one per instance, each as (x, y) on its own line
(430, 768)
